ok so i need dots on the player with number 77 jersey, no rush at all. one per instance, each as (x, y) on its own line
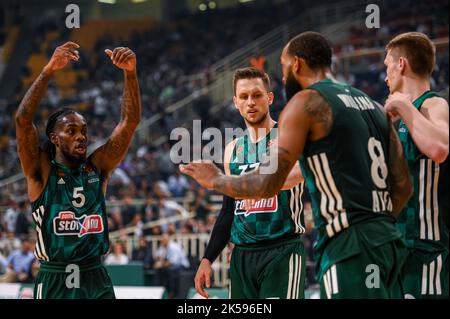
(354, 167)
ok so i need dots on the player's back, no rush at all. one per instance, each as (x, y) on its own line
(346, 172)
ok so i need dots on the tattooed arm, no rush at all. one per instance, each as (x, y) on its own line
(35, 163)
(306, 116)
(399, 177)
(109, 155)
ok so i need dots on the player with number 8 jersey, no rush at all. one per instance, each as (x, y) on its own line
(353, 211)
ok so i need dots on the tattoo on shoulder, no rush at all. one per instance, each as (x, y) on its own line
(317, 107)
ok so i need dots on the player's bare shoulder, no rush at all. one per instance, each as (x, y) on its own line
(317, 109)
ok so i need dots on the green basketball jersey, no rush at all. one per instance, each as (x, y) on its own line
(424, 220)
(70, 215)
(346, 174)
(270, 218)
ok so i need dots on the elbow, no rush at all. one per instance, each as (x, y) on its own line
(438, 153)
(22, 121)
(270, 189)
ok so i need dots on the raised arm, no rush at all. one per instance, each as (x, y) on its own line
(428, 127)
(109, 155)
(31, 157)
(298, 117)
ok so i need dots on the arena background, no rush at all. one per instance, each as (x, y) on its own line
(187, 51)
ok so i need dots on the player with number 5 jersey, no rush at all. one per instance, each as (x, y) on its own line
(66, 188)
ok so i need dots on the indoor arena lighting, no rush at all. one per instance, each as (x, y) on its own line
(107, 1)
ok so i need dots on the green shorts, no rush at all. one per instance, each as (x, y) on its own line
(425, 275)
(53, 282)
(275, 271)
(373, 273)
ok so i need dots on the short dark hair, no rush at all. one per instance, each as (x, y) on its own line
(251, 73)
(313, 47)
(418, 49)
(49, 128)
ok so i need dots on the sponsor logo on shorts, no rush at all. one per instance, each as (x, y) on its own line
(265, 205)
(67, 224)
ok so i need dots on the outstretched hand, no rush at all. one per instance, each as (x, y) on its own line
(62, 55)
(204, 172)
(123, 58)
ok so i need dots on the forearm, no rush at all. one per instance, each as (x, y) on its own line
(221, 232)
(294, 178)
(264, 182)
(401, 191)
(32, 98)
(427, 136)
(401, 187)
(252, 185)
(131, 100)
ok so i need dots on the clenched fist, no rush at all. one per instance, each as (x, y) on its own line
(62, 55)
(123, 58)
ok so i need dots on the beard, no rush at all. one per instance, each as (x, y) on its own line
(258, 120)
(74, 159)
(291, 87)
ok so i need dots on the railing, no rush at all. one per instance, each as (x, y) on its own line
(194, 246)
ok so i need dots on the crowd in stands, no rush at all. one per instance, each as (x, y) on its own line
(147, 186)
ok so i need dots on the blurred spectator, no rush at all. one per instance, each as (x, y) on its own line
(171, 229)
(3, 264)
(118, 256)
(10, 218)
(9, 243)
(128, 211)
(258, 61)
(201, 206)
(210, 221)
(22, 222)
(34, 270)
(170, 259)
(164, 163)
(177, 184)
(167, 207)
(19, 264)
(143, 253)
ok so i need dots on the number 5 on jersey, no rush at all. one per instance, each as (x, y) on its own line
(78, 198)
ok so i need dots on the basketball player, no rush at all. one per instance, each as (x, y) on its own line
(423, 132)
(353, 164)
(265, 232)
(66, 189)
